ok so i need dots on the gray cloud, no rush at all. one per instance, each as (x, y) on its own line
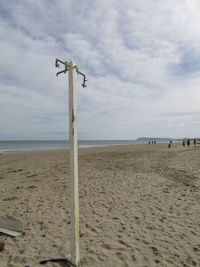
(140, 57)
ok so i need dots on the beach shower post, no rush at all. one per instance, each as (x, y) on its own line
(73, 145)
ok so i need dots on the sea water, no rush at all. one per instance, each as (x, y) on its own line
(9, 146)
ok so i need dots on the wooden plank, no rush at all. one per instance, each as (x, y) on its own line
(11, 226)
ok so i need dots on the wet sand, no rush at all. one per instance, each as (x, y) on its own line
(139, 206)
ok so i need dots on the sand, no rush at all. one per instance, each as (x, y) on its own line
(139, 206)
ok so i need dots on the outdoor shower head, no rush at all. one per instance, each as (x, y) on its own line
(84, 78)
(66, 68)
(84, 81)
(56, 63)
(83, 84)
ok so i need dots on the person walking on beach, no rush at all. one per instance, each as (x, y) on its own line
(195, 142)
(183, 143)
(188, 142)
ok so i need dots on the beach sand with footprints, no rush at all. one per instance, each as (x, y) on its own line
(139, 206)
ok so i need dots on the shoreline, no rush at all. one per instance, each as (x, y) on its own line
(24, 150)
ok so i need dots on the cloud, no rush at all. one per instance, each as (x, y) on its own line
(140, 58)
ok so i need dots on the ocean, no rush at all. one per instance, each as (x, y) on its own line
(12, 146)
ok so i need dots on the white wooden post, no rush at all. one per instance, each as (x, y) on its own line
(74, 198)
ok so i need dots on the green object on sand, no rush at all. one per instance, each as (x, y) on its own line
(11, 226)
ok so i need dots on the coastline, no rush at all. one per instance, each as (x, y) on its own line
(139, 205)
(89, 144)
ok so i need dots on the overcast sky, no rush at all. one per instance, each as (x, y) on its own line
(141, 58)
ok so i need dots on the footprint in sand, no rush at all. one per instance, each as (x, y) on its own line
(106, 246)
(18, 170)
(137, 220)
(155, 251)
(91, 228)
(32, 187)
(31, 175)
(123, 243)
(9, 198)
(116, 219)
(2, 245)
(196, 249)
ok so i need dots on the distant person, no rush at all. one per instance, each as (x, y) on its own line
(188, 142)
(169, 145)
(195, 142)
(183, 143)
(149, 142)
(171, 142)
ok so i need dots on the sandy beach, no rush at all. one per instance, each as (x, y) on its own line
(139, 206)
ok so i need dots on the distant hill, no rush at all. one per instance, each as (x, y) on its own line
(154, 139)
